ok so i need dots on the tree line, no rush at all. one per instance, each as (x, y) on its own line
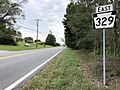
(50, 40)
(79, 31)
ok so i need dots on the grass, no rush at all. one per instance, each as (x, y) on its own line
(93, 71)
(63, 73)
(21, 47)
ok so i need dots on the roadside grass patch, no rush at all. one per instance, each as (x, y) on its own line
(63, 73)
(93, 70)
(21, 47)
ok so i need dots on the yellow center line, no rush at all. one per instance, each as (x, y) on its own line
(22, 54)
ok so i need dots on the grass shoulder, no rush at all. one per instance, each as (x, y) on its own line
(63, 73)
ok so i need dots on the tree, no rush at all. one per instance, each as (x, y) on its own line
(75, 29)
(79, 32)
(9, 10)
(50, 40)
(19, 34)
(69, 35)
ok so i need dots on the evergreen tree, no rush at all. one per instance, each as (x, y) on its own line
(50, 40)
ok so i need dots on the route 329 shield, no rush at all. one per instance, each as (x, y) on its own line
(104, 20)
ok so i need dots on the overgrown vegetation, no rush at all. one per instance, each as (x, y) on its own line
(73, 70)
(63, 73)
(79, 32)
(92, 68)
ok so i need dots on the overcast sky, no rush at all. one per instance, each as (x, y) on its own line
(51, 14)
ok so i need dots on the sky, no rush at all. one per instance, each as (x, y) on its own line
(50, 13)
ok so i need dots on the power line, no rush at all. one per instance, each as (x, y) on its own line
(30, 29)
(27, 28)
(37, 21)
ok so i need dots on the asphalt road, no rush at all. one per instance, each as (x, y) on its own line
(16, 64)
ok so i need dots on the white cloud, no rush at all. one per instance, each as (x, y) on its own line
(50, 11)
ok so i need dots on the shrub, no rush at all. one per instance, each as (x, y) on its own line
(37, 41)
(5, 40)
(28, 39)
(57, 44)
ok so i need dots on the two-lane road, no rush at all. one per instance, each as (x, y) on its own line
(15, 65)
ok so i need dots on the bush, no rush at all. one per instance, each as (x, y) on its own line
(41, 43)
(57, 44)
(28, 39)
(8, 41)
(37, 41)
(19, 39)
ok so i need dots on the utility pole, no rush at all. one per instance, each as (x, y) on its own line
(37, 24)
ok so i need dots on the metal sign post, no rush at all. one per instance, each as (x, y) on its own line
(104, 18)
(104, 74)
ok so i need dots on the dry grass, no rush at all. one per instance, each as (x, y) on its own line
(92, 68)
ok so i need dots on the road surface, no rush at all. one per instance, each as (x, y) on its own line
(16, 64)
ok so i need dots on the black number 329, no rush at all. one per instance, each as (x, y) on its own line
(102, 21)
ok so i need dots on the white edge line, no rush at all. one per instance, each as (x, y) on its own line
(30, 73)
